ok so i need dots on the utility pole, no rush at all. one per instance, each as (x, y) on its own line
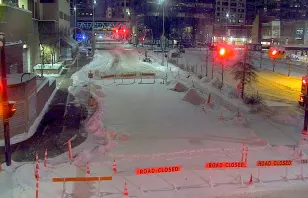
(5, 104)
(163, 36)
(207, 61)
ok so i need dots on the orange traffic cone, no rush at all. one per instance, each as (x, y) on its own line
(209, 99)
(125, 190)
(45, 158)
(250, 180)
(114, 167)
(88, 169)
(221, 118)
(37, 173)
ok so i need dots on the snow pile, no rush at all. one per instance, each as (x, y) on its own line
(83, 158)
(178, 87)
(216, 82)
(298, 155)
(288, 119)
(193, 97)
(100, 62)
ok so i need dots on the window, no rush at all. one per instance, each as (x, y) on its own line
(218, 14)
(233, 9)
(240, 10)
(225, 3)
(61, 15)
(233, 4)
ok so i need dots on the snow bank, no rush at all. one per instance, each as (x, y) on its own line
(100, 62)
(193, 97)
(178, 87)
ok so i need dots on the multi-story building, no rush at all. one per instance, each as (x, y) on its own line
(184, 19)
(121, 8)
(230, 11)
(283, 9)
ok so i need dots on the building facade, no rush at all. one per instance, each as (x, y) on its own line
(283, 9)
(184, 19)
(230, 11)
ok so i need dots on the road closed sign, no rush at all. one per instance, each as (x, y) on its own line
(158, 170)
(219, 165)
(274, 163)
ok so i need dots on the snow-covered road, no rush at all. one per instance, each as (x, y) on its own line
(155, 125)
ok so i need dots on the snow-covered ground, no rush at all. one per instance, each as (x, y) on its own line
(165, 124)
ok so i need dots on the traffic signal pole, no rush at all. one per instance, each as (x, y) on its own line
(5, 105)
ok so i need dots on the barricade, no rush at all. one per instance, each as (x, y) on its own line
(270, 163)
(109, 76)
(225, 165)
(128, 76)
(81, 179)
(145, 75)
(157, 171)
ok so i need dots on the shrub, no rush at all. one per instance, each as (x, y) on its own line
(253, 99)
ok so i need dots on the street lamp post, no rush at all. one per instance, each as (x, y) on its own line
(93, 21)
(163, 35)
(5, 104)
(227, 23)
(75, 10)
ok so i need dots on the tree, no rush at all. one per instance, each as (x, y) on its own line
(49, 38)
(244, 72)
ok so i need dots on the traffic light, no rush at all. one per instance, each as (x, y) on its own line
(276, 53)
(225, 52)
(124, 30)
(117, 30)
(304, 85)
(222, 52)
(12, 109)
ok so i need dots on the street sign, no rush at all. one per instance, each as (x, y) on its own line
(254, 47)
(274, 163)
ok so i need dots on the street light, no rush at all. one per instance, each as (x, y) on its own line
(163, 35)
(227, 22)
(93, 21)
(75, 9)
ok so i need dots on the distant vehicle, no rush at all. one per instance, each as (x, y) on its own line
(292, 57)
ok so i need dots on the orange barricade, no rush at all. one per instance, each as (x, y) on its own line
(109, 76)
(270, 163)
(81, 179)
(147, 75)
(128, 76)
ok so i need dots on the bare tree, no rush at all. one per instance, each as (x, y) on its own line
(245, 72)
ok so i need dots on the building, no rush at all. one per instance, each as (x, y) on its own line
(283, 9)
(230, 11)
(121, 8)
(185, 20)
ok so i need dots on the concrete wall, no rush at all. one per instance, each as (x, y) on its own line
(43, 94)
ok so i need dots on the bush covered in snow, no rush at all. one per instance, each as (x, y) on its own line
(253, 99)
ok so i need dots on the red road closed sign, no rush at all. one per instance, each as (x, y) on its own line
(156, 170)
(274, 163)
(225, 165)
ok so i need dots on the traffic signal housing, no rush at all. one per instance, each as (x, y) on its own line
(304, 85)
(225, 52)
(276, 53)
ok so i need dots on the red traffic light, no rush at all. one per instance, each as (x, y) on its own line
(274, 52)
(117, 30)
(304, 81)
(222, 51)
(143, 38)
(124, 30)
